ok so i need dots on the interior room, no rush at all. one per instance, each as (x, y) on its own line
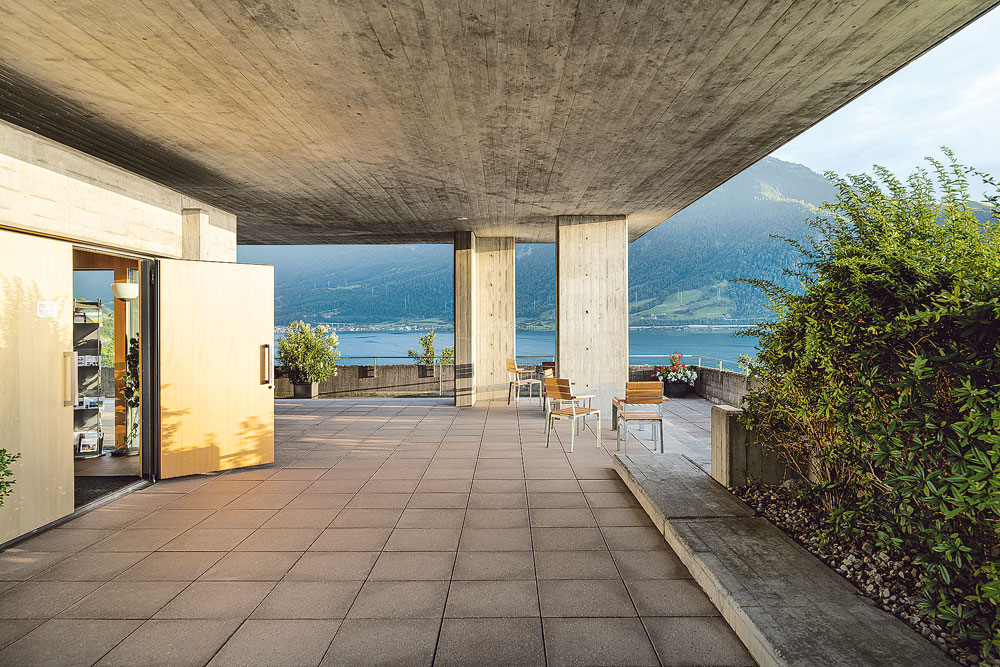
(107, 412)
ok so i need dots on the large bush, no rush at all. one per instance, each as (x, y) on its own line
(308, 354)
(880, 380)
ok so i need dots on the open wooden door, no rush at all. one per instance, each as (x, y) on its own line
(216, 338)
(37, 368)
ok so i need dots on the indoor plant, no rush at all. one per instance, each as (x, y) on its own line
(132, 391)
(309, 356)
(677, 378)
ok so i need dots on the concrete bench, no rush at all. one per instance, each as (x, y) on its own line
(786, 606)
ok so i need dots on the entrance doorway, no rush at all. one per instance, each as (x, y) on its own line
(107, 413)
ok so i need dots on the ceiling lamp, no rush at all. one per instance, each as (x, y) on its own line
(125, 291)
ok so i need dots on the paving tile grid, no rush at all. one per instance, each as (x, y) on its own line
(388, 531)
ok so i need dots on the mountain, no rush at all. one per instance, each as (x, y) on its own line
(679, 272)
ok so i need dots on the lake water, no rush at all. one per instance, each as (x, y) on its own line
(535, 346)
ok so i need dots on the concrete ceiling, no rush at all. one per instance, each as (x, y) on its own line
(405, 120)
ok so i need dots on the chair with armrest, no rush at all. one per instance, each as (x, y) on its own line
(644, 394)
(514, 374)
(560, 393)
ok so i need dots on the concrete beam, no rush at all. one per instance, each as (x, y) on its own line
(484, 316)
(592, 305)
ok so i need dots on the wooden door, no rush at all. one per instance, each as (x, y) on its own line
(37, 372)
(216, 334)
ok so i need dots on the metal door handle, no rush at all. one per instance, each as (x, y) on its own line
(71, 379)
(266, 365)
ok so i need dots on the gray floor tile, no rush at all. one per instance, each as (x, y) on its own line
(690, 642)
(597, 642)
(492, 599)
(494, 565)
(217, 599)
(172, 566)
(252, 566)
(125, 599)
(333, 566)
(42, 599)
(383, 642)
(413, 566)
(396, 599)
(670, 597)
(90, 566)
(265, 643)
(575, 565)
(584, 598)
(66, 643)
(308, 600)
(490, 641)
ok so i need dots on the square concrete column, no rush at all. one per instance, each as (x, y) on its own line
(592, 305)
(484, 316)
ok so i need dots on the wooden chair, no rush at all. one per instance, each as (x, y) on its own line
(645, 394)
(514, 375)
(559, 391)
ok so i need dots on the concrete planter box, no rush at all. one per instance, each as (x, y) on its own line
(309, 390)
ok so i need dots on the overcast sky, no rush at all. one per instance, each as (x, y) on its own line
(950, 96)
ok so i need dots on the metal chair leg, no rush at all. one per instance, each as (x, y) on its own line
(626, 436)
(572, 434)
(598, 430)
(548, 430)
(509, 388)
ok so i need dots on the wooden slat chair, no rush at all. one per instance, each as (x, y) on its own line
(516, 382)
(548, 371)
(559, 392)
(640, 394)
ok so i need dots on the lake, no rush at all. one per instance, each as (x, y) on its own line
(534, 346)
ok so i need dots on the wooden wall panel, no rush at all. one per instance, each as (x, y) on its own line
(214, 412)
(36, 378)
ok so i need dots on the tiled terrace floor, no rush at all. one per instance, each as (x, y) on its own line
(387, 532)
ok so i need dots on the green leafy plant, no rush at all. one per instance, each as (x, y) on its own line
(6, 474)
(878, 382)
(427, 355)
(132, 391)
(308, 354)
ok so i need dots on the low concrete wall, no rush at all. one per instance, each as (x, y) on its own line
(721, 387)
(403, 380)
(736, 457)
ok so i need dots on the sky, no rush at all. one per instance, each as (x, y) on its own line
(950, 96)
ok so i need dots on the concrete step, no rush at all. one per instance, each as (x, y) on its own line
(786, 606)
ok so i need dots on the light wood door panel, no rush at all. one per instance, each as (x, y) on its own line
(36, 374)
(216, 410)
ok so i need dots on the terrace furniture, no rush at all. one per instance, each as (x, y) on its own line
(559, 391)
(516, 382)
(639, 394)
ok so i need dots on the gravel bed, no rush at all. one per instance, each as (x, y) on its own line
(890, 579)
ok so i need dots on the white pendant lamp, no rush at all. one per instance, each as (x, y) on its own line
(125, 291)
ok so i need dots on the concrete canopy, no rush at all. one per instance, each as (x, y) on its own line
(405, 120)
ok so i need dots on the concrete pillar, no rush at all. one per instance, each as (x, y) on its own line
(465, 319)
(484, 316)
(194, 233)
(592, 305)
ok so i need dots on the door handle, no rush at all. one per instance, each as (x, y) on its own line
(266, 365)
(71, 378)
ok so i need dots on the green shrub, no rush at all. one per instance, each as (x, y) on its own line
(427, 355)
(308, 354)
(6, 474)
(880, 381)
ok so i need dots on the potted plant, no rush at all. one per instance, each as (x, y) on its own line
(131, 391)
(427, 358)
(309, 356)
(677, 378)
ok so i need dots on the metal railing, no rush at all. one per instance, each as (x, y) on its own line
(721, 364)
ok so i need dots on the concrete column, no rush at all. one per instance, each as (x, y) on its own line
(194, 233)
(465, 319)
(484, 316)
(592, 305)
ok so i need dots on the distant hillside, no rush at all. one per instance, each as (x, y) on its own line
(680, 272)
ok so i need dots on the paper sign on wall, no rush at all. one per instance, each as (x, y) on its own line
(46, 308)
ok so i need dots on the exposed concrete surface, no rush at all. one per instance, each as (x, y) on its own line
(385, 380)
(592, 305)
(721, 386)
(736, 455)
(786, 606)
(329, 122)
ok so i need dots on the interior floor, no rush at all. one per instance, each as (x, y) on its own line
(101, 475)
